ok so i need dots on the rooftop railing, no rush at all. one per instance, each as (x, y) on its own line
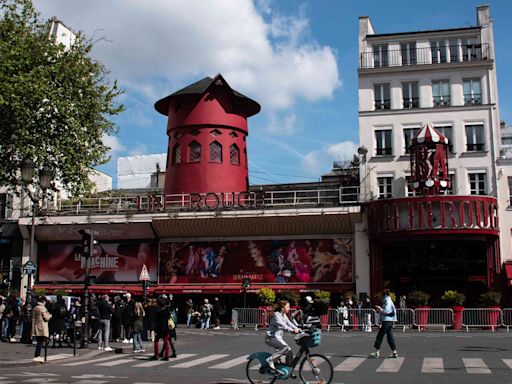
(423, 56)
(153, 203)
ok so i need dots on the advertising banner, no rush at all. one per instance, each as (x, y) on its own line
(263, 261)
(111, 262)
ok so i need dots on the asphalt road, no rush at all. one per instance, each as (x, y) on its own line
(218, 357)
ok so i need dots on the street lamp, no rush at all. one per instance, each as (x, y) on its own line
(45, 178)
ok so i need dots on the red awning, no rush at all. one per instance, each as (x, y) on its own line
(508, 273)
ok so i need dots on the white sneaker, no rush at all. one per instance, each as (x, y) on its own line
(270, 363)
(142, 350)
(108, 349)
(126, 341)
(100, 347)
(12, 340)
(39, 359)
(131, 341)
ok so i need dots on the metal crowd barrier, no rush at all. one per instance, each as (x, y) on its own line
(489, 318)
(351, 319)
(506, 316)
(254, 317)
(433, 317)
(405, 318)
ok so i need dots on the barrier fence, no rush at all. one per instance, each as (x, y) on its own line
(365, 319)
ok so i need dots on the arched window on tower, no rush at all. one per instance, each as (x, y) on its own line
(176, 154)
(216, 152)
(234, 155)
(194, 152)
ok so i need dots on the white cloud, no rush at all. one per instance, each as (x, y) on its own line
(140, 149)
(317, 161)
(282, 125)
(115, 145)
(159, 46)
(342, 151)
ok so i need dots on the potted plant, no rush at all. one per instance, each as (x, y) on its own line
(291, 296)
(267, 298)
(419, 301)
(491, 300)
(455, 300)
(321, 306)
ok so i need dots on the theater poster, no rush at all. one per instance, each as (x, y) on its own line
(110, 263)
(264, 261)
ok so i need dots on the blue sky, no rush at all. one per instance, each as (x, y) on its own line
(298, 59)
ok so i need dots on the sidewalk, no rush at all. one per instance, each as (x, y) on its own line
(19, 354)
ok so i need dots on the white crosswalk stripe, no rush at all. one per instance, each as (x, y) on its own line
(200, 361)
(391, 365)
(475, 365)
(230, 363)
(432, 365)
(83, 362)
(349, 364)
(154, 363)
(117, 362)
(508, 362)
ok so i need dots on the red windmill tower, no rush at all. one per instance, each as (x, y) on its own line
(207, 129)
(429, 161)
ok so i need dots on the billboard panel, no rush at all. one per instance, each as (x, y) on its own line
(111, 262)
(264, 261)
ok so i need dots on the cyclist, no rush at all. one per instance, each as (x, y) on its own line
(274, 336)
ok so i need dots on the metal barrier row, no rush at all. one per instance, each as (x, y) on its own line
(254, 317)
(489, 318)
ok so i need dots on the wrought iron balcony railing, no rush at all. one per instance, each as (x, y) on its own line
(473, 99)
(422, 56)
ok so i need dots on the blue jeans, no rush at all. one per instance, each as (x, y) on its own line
(205, 324)
(189, 319)
(137, 341)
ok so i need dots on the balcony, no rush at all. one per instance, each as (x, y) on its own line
(383, 104)
(475, 147)
(473, 99)
(411, 102)
(424, 56)
(441, 101)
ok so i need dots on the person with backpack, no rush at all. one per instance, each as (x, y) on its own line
(163, 324)
(58, 322)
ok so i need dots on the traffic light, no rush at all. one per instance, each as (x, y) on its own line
(88, 242)
(246, 283)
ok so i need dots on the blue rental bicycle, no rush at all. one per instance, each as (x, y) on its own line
(313, 368)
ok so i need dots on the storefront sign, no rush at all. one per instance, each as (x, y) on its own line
(433, 213)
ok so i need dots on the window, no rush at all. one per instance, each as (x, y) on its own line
(194, 132)
(472, 50)
(441, 93)
(446, 130)
(410, 95)
(382, 100)
(234, 155)
(438, 49)
(409, 133)
(194, 152)
(409, 187)
(215, 133)
(176, 154)
(408, 53)
(477, 183)
(3, 205)
(233, 134)
(216, 152)
(383, 142)
(380, 55)
(385, 187)
(475, 137)
(472, 92)
(509, 191)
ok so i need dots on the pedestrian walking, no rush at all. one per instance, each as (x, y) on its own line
(152, 308)
(40, 319)
(117, 318)
(206, 310)
(189, 310)
(105, 312)
(218, 311)
(138, 326)
(128, 314)
(387, 313)
(163, 332)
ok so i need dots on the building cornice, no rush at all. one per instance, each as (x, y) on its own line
(378, 71)
(456, 108)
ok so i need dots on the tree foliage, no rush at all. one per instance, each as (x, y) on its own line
(55, 102)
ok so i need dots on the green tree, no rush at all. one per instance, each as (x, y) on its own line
(55, 102)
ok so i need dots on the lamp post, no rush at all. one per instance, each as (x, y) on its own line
(44, 180)
(88, 244)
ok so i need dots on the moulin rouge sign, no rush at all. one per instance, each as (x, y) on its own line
(433, 213)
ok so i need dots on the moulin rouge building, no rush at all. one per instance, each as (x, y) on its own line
(418, 209)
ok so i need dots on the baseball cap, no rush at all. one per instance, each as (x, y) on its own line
(309, 299)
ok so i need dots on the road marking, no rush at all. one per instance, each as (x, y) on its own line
(432, 365)
(230, 363)
(391, 365)
(475, 365)
(116, 362)
(153, 363)
(59, 356)
(202, 360)
(40, 380)
(90, 382)
(508, 362)
(349, 364)
(83, 362)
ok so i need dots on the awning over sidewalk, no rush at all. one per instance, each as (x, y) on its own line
(508, 273)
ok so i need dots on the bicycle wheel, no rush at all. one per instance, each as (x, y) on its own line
(258, 374)
(315, 368)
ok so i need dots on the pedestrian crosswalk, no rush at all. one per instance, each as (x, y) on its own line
(222, 361)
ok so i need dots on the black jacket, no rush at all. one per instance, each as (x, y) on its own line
(105, 310)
